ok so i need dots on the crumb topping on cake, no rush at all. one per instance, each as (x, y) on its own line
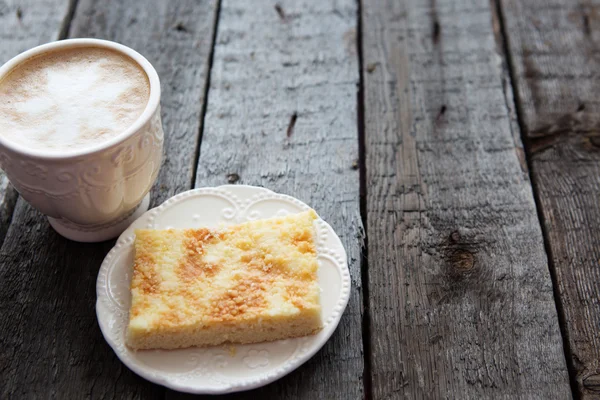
(245, 274)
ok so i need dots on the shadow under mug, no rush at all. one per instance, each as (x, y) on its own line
(91, 194)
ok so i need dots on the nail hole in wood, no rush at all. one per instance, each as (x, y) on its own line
(180, 27)
(355, 164)
(280, 11)
(581, 107)
(290, 128)
(586, 25)
(441, 112)
(455, 237)
(371, 67)
(233, 178)
(436, 31)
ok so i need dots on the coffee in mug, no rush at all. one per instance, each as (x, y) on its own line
(71, 99)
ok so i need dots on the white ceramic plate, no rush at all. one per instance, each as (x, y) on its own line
(228, 368)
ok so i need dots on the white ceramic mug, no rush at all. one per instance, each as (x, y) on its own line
(92, 194)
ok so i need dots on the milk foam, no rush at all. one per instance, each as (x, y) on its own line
(71, 99)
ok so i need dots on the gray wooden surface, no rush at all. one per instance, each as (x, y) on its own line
(453, 295)
(460, 297)
(554, 50)
(282, 114)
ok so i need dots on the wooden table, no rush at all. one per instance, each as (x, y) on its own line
(463, 135)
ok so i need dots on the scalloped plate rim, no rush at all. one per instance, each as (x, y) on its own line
(155, 376)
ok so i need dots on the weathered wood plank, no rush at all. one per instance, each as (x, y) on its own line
(554, 50)
(50, 338)
(24, 25)
(282, 114)
(461, 301)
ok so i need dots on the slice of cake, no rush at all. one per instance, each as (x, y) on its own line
(246, 283)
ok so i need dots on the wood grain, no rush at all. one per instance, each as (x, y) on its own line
(554, 50)
(23, 25)
(461, 302)
(50, 340)
(28, 23)
(282, 114)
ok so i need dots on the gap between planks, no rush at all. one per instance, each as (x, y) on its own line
(213, 42)
(364, 250)
(66, 25)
